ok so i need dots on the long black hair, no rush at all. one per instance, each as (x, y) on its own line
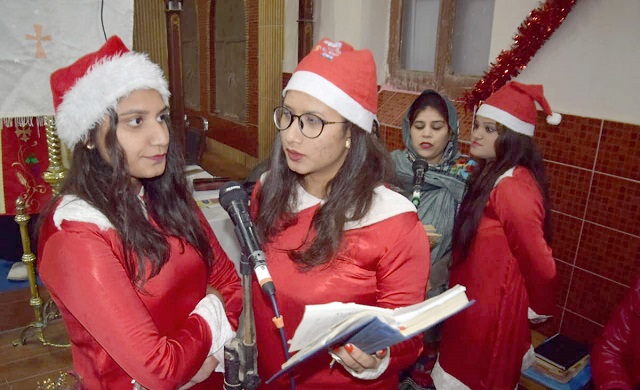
(168, 202)
(350, 195)
(512, 149)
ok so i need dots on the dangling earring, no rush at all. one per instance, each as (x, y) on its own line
(348, 143)
(90, 146)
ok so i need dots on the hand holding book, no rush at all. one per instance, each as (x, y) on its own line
(358, 363)
(368, 328)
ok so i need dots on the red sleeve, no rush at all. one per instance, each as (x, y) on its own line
(518, 204)
(615, 351)
(402, 275)
(98, 293)
(224, 276)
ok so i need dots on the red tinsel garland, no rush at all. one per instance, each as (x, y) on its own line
(532, 34)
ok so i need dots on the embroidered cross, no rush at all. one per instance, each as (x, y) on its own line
(39, 38)
(23, 133)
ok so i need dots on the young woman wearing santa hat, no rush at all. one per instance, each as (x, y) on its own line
(124, 250)
(331, 230)
(501, 248)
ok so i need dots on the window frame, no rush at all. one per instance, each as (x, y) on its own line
(442, 79)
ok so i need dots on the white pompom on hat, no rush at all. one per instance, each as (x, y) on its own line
(85, 90)
(342, 78)
(514, 105)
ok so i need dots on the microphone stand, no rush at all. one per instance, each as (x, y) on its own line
(240, 354)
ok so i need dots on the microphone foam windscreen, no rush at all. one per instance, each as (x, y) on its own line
(232, 191)
(419, 163)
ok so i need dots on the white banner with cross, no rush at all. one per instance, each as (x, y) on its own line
(40, 36)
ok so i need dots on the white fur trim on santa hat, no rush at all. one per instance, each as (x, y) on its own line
(110, 79)
(334, 97)
(507, 119)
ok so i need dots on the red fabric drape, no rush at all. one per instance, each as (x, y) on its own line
(24, 160)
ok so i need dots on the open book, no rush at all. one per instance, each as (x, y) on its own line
(369, 328)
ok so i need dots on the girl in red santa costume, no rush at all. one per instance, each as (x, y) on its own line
(501, 248)
(124, 250)
(331, 230)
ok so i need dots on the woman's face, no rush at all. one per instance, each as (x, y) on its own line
(483, 138)
(318, 159)
(142, 133)
(430, 135)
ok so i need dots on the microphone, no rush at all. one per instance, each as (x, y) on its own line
(420, 167)
(235, 201)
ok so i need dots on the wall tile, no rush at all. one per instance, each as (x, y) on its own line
(384, 130)
(568, 188)
(550, 326)
(392, 137)
(574, 141)
(618, 151)
(386, 108)
(579, 329)
(615, 202)
(383, 97)
(566, 232)
(564, 272)
(609, 253)
(464, 147)
(464, 118)
(394, 109)
(592, 296)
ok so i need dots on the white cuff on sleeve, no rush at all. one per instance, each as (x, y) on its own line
(211, 309)
(536, 318)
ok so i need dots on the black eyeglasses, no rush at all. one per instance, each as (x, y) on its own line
(310, 125)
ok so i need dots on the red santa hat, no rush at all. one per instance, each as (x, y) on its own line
(514, 105)
(85, 90)
(342, 78)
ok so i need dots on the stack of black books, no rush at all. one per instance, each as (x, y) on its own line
(561, 363)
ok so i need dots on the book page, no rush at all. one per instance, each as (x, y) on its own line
(318, 319)
(404, 314)
(437, 314)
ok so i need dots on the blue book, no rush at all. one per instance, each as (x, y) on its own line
(578, 382)
(369, 328)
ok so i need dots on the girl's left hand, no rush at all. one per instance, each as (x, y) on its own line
(355, 359)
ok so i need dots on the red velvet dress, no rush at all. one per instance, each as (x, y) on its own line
(384, 262)
(509, 268)
(117, 332)
(615, 357)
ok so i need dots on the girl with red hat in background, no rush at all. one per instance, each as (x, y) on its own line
(331, 230)
(124, 250)
(501, 248)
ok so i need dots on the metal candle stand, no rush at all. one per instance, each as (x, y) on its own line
(54, 176)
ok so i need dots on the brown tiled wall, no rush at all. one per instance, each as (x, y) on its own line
(594, 185)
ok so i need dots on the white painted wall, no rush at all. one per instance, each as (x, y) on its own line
(589, 67)
(361, 23)
(290, 58)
